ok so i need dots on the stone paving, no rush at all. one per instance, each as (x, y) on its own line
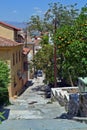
(32, 111)
(32, 104)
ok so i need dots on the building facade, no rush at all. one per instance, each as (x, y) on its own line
(11, 51)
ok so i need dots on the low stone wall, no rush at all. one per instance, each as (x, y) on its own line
(75, 103)
(64, 91)
(83, 105)
(78, 107)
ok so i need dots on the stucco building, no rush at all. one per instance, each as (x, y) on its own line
(11, 51)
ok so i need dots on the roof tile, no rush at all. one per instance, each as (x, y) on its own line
(4, 42)
(5, 24)
(26, 51)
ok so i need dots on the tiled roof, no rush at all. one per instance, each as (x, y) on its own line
(26, 50)
(5, 24)
(4, 42)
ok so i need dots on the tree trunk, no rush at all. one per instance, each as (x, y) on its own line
(70, 78)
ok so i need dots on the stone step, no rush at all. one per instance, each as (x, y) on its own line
(24, 114)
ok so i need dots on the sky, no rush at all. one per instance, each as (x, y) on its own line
(22, 10)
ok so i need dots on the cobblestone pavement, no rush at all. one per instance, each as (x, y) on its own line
(32, 111)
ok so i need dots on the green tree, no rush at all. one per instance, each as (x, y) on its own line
(4, 80)
(72, 43)
(4, 74)
(64, 15)
(44, 60)
(71, 35)
(45, 40)
(35, 24)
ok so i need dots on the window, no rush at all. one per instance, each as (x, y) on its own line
(19, 56)
(25, 66)
(13, 59)
(15, 36)
(16, 58)
(14, 83)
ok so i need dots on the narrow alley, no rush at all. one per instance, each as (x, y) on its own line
(32, 104)
(32, 111)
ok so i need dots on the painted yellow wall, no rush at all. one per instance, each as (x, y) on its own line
(14, 70)
(6, 32)
(6, 54)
